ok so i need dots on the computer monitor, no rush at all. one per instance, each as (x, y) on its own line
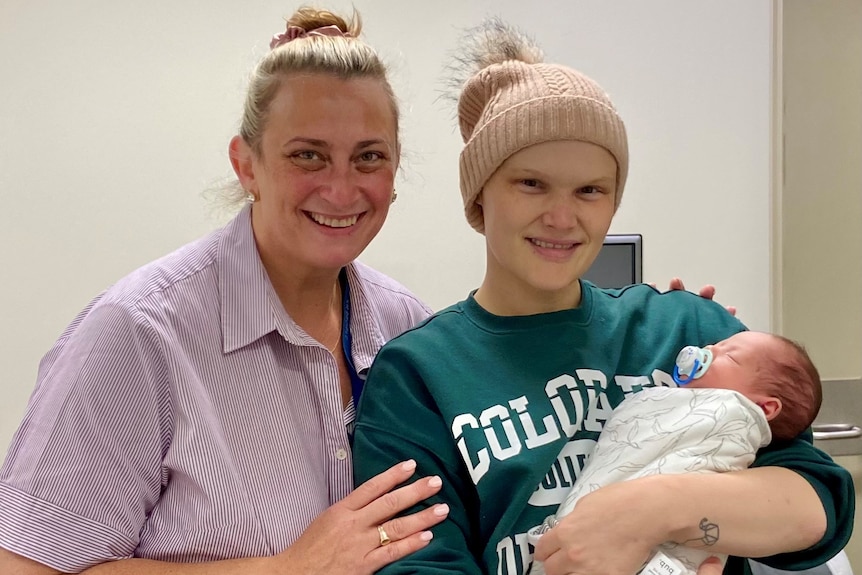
(618, 263)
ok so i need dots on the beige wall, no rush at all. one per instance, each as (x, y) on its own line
(821, 200)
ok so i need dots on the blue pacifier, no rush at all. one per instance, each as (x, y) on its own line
(691, 363)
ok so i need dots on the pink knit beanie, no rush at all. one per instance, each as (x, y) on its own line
(510, 105)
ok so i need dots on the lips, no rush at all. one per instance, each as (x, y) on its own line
(552, 245)
(334, 222)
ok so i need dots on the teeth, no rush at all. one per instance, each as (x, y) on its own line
(334, 222)
(542, 244)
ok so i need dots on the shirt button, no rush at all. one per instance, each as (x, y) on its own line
(341, 454)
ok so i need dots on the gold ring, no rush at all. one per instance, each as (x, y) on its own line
(384, 538)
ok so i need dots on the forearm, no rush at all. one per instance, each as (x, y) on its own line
(750, 513)
(257, 565)
(14, 563)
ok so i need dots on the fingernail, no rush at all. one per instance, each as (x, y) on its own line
(408, 465)
(426, 536)
(435, 481)
(441, 509)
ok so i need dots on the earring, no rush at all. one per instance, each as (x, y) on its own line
(394, 197)
(250, 198)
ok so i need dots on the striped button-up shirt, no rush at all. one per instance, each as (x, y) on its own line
(184, 416)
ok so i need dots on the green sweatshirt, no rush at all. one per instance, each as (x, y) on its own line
(507, 409)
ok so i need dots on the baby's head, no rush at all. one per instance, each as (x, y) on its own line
(772, 371)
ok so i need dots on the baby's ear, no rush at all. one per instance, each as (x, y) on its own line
(771, 407)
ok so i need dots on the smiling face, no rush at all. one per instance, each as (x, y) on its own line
(324, 175)
(546, 212)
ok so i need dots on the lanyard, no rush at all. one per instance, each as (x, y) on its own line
(356, 382)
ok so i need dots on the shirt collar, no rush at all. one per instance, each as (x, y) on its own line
(246, 294)
(251, 308)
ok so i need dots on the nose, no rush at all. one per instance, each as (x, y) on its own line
(561, 212)
(340, 187)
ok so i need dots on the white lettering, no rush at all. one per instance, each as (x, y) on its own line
(563, 473)
(552, 390)
(589, 410)
(534, 439)
(501, 413)
(598, 414)
(661, 378)
(511, 554)
(481, 467)
(593, 379)
(505, 557)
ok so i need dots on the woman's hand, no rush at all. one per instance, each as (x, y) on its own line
(710, 566)
(706, 292)
(345, 538)
(611, 531)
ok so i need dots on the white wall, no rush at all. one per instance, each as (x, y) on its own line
(115, 115)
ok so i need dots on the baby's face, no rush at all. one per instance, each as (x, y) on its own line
(737, 363)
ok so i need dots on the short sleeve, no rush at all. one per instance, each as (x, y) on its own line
(84, 468)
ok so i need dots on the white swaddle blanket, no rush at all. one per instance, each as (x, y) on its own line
(663, 430)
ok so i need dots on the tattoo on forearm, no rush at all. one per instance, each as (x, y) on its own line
(710, 533)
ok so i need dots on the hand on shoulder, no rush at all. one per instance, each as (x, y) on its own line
(706, 292)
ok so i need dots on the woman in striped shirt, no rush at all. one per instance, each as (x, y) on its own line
(197, 416)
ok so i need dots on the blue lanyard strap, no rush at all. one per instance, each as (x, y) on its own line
(356, 383)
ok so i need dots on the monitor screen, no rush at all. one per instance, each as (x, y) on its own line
(618, 263)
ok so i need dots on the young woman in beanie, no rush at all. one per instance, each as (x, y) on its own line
(504, 394)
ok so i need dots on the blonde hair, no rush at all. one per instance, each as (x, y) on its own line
(344, 57)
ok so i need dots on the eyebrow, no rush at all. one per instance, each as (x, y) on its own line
(369, 143)
(324, 144)
(524, 172)
(533, 170)
(602, 180)
(311, 141)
